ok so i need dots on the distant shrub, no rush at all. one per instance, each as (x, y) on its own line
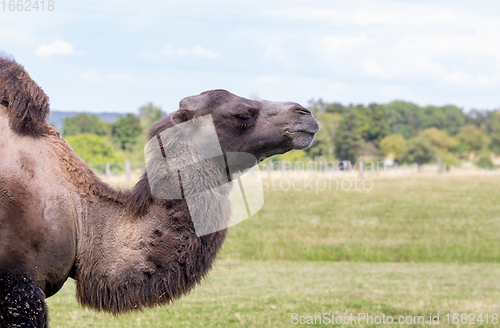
(84, 124)
(485, 162)
(419, 151)
(96, 151)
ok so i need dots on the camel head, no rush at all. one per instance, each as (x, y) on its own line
(215, 138)
(245, 131)
(259, 127)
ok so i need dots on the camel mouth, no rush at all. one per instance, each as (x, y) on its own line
(306, 131)
(301, 138)
(288, 131)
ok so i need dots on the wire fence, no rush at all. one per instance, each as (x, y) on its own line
(127, 173)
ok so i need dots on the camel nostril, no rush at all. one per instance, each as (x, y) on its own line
(302, 110)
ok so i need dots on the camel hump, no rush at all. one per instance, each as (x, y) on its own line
(27, 104)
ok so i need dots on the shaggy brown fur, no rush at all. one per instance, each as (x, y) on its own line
(125, 249)
(27, 103)
(139, 198)
(79, 173)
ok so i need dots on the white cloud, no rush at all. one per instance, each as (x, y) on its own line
(268, 79)
(197, 51)
(334, 44)
(369, 13)
(204, 52)
(408, 43)
(93, 76)
(276, 48)
(10, 33)
(58, 47)
(307, 13)
(372, 67)
(336, 90)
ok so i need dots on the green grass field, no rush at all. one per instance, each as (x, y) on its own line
(411, 246)
(422, 218)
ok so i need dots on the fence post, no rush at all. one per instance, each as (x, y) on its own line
(127, 170)
(361, 167)
(108, 171)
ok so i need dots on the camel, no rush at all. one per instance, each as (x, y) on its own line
(125, 249)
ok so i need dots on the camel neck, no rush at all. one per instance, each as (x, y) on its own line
(127, 262)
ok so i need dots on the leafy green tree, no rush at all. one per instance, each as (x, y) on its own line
(447, 118)
(149, 114)
(419, 150)
(430, 117)
(409, 119)
(483, 119)
(126, 130)
(402, 118)
(438, 138)
(471, 139)
(84, 124)
(348, 139)
(454, 119)
(394, 144)
(495, 133)
(364, 118)
(378, 128)
(95, 150)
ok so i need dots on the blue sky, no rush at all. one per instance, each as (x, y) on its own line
(115, 56)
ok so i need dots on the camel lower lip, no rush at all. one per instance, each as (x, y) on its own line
(300, 131)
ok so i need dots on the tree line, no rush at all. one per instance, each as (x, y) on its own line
(399, 130)
(406, 133)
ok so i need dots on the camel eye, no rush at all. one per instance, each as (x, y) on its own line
(244, 120)
(244, 116)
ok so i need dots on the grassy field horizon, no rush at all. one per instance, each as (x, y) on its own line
(419, 217)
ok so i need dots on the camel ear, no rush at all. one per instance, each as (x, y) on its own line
(188, 108)
(193, 103)
(182, 115)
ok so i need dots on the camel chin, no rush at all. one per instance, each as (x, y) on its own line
(302, 139)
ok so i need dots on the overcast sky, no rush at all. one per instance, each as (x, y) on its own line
(115, 56)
